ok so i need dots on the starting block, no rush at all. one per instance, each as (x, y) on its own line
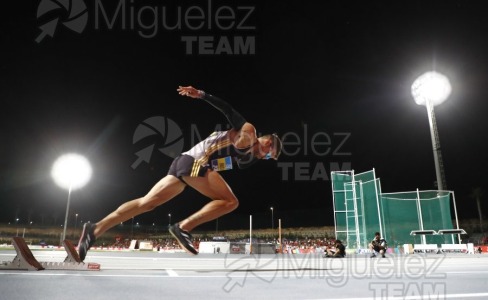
(25, 260)
(71, 262)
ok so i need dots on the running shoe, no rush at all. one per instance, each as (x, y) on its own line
(87, 240)
(183, 237)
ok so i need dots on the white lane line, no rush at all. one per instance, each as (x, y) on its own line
(227, 274)
(86, 275)
(172, 273)
(462, 296)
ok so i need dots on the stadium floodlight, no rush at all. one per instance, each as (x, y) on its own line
(432, 89)
(71, 172)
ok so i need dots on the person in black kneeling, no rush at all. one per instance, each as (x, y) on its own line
(378, 244)
(340, 250)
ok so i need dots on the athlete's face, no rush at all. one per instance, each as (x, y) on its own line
(268, 149)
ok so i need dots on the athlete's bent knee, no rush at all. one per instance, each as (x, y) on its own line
(232, 203)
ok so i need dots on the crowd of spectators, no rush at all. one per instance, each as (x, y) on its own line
(304, 245)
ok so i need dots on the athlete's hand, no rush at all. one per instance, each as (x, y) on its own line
(189, 91)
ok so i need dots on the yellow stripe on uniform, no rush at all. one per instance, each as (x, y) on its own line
(199, 162)
(195, 165)
(216, 147)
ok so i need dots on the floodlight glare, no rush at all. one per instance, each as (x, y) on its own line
(71, 171)
(431, 87)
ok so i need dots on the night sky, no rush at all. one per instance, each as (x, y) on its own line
(334, 79)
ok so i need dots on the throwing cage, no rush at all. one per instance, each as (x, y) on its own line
(361, 209)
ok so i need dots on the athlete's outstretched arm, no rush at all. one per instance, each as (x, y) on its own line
(236, 120)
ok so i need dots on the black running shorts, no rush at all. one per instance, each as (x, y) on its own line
(185, 165)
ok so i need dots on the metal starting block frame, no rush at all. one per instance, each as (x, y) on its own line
(25, 260)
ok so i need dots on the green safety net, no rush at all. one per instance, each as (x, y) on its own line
(402, 211)
(361, 209)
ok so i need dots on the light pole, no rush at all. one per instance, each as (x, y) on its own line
(71, 172)
(432, 89)
(76, 220)
(272, 217)
(217, 227)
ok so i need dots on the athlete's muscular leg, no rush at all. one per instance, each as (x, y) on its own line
(163, 191)
(214, 187)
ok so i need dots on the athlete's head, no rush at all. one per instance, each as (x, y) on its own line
(270, 146)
